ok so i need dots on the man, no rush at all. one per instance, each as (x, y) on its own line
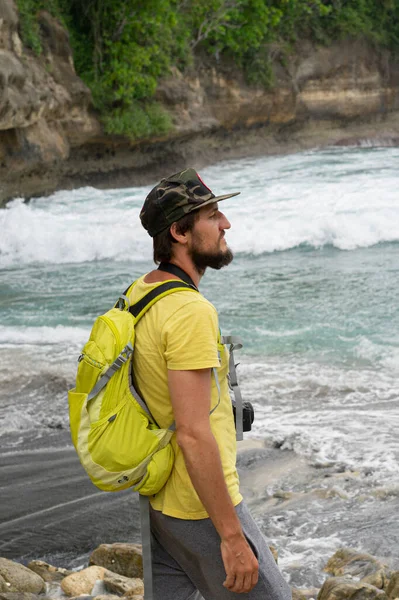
(203, 537)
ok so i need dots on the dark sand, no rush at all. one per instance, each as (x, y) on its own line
(49, 509)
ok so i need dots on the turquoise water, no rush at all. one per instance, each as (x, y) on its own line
(313, 291)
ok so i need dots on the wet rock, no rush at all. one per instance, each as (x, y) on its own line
(297, 594)
(274, 552)
(393, 587)
(53, 589)
(344, 588)
(98, 588)
(4, 585)
(283, 495)
(21, 596)
(379, 579)
(47, 572)
(119, 584)
(17, 578)
(124, 559)
(82, 582)
(355, 564)
(304, 593)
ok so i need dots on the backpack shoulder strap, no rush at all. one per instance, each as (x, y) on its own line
(139, 309)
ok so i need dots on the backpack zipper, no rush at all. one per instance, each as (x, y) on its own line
(113, 329)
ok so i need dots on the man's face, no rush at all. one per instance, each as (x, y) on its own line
(207, 245)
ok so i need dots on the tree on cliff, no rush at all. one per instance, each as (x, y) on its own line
(122, 48)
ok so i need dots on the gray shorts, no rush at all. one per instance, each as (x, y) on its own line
(187, 562)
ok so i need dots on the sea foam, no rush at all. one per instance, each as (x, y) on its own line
(42, 336)
(336, 197)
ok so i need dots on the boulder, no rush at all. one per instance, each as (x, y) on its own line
(355, 564)
(133, 596)
(344, 588)
(393, 587)
(4, 585)
(380, 578)
(124, 559)
(82, 582)
(21, 596)
(304, 593)
(17, 578)
(119, 584)
(297, 594)
(47, 572)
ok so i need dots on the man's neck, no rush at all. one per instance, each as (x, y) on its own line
(188, 267)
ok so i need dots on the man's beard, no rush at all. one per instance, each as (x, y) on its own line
(214, 260)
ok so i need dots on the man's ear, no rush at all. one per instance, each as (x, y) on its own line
(176, 235)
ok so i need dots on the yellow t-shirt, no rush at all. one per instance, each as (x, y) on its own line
(180, 332)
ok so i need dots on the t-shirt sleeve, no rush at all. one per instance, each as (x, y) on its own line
(189, 337)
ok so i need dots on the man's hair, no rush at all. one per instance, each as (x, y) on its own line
(163, 242)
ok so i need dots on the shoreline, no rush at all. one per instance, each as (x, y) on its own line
(52, 512)
(112, 162)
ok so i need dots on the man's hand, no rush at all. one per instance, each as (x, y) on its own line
(240, 564)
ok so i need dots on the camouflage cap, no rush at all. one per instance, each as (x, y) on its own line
(175, 197)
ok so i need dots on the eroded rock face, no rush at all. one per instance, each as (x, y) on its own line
(342, 81)
(45, 109)
(50, 137)
(17, 578)
(124, 559)
(46, 87)
(323, 96)
(9, 39)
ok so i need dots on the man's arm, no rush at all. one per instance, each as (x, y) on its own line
(190, 393)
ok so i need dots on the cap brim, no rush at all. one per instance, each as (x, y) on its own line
(215, 199)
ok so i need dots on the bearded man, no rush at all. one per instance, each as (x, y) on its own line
(204, 541)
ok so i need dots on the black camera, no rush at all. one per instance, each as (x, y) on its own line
(248, 416)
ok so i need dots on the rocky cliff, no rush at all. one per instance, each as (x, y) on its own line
(50, 137)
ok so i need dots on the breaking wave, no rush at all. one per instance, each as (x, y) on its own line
(343, 198)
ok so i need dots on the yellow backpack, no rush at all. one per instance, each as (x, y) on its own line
(118, 442)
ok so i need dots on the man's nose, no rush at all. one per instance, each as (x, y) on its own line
(224, 222)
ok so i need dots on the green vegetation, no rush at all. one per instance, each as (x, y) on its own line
(123, 47)
(138, 120)
(28, 11)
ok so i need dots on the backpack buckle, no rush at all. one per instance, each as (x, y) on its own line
(123, 303)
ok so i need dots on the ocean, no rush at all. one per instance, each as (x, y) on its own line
(314, 293)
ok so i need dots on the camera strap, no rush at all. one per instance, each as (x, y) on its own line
(235, 344)
(175, 270)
